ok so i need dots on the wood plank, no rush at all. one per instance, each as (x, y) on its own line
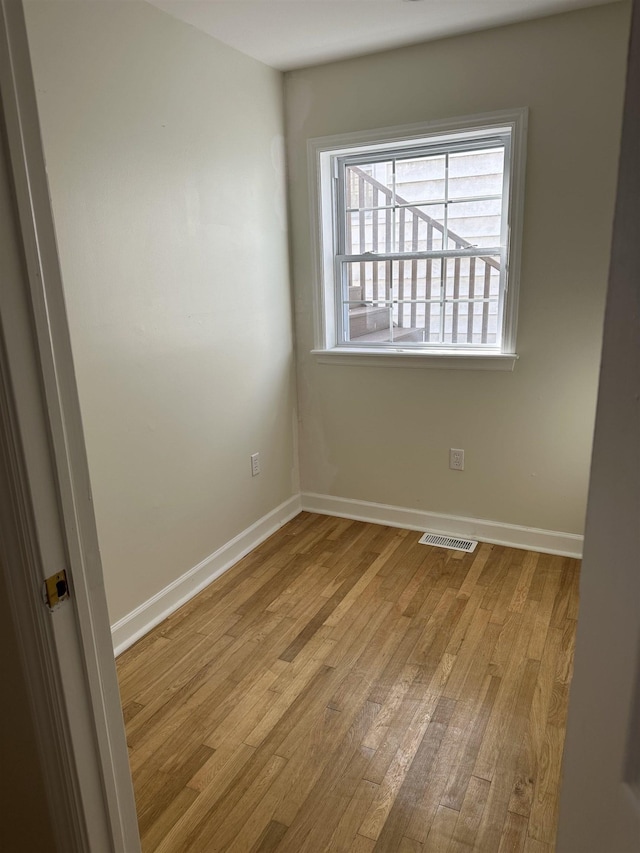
(429, 570)
(346, 831)
(528, 758)
(532, 845)
(514, 834)
(244, 823)
(223, 765)
(384, 720)
(525, 579)
(424, 812)
(441, 830)
(544, 809)
(162, 707)
(545, 610)
(362, 845)
(155, 833)
(539, 577)
(466, 654)
(501, 603)
(497, 805)
(394, 777)
(130, 710)
(471, 581)
(408, 845)
(437, 632)
(474, 600)
(389, 676)
(505, 706)
(270, 838)
(573, 605)
(495, 569)
(360, 586)
(524, 777)
(307, 767)
(466, 827)
(285, 700)
(563, 604)
(315, 623)
(252, 704)
(411, 789)
(462, 769)
(319, 814)
(161, 789)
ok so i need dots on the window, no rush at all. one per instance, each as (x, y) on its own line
(419, 232)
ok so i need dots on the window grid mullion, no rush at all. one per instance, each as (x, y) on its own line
(426, 203)
(443, 285)
(461, 299)
(473, 252)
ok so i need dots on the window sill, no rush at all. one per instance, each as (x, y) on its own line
(442, 359)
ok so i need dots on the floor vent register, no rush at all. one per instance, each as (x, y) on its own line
(451, 542)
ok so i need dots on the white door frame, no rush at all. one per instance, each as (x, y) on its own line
(46, 513)
(600, 798)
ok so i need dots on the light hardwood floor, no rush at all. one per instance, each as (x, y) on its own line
(344, 688)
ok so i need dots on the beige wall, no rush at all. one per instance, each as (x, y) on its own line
(383, 434)
(165, 157)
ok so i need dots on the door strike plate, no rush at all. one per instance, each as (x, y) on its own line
(56, 589)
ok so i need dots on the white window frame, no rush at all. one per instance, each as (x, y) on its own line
(324, 157)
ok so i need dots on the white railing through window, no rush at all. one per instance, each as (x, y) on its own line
(451, 298)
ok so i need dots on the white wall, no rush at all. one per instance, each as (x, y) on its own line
(165, 156)
(381, 434)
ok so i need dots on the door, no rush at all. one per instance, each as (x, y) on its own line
(47, 525)
(600, 798)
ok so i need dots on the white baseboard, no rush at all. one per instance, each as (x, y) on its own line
(149, 614)
(529, 538)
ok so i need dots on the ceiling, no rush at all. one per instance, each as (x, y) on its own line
(289, 34)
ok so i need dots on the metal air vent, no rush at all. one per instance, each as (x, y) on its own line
(451, 542)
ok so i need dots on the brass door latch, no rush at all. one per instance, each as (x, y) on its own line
(56, 589)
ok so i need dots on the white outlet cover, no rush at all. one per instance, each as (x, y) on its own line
(456, 459)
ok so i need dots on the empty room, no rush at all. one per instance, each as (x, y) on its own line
(335, 277)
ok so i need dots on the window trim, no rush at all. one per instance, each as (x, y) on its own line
(322, 153)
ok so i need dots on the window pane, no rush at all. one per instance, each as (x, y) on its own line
(371, 323)
(474, 173)
(474, 323)
(417, 280)
(472, 277)
(369, 185)
(367, 282)
(368, 306)
(447, 302)
(476, 222)
(369, 231)
(405, 229)
(419, 229)
(385, 301)
(472, 291)
(421, 179)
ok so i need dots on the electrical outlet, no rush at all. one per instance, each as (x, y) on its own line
(456, 459)
(255, 464)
